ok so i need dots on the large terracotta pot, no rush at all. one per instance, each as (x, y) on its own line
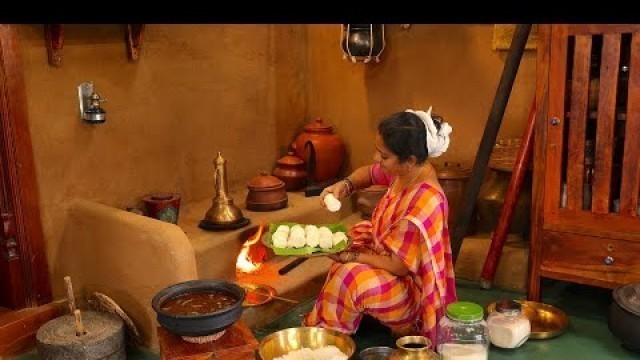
(325, 149)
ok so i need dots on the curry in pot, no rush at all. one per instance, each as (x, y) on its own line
(199, 303)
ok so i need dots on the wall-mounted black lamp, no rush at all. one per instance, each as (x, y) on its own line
(362, 42)
(90, 110)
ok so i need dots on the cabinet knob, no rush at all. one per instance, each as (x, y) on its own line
(555, 121)
(608, 260)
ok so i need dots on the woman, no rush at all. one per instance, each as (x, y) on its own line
(399, 268)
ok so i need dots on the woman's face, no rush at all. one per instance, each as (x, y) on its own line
(389, 161)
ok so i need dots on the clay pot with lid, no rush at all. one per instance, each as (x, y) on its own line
(326, 149)
(266, 193)
(291, 170)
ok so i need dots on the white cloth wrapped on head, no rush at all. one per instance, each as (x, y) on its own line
(437, 140)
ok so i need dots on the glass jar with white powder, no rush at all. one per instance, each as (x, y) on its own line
(509, 328)
(463, 333)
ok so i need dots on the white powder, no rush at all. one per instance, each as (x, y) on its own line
(330, 352)
(508, 332)
(463, 352)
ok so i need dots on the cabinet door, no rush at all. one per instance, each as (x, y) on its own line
(592, 149)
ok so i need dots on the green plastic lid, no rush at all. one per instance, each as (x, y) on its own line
(465, 310)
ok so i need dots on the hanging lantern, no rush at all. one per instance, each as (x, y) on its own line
(362, 42)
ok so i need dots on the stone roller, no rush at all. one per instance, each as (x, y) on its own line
(82, 335)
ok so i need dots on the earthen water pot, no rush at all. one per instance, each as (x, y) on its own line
(327, 147)
(266, 193)
(291, 170)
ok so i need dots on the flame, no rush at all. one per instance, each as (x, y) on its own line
(243, 262)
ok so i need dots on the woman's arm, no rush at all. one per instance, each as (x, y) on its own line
(391, 263)
(359, 179)
(404, 241)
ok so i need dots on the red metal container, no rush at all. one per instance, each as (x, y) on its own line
(162, 206)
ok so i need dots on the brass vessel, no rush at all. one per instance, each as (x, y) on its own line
(223, 213)
(414, 348)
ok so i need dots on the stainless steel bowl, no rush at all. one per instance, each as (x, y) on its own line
(284, 341)
(376, 353)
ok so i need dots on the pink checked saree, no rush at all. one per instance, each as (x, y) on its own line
(413, 225)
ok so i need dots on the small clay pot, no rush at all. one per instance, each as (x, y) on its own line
(291, 170)
(266, 193)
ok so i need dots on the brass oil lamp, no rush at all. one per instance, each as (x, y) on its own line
(223, 213)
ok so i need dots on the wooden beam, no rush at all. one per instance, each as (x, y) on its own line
(19, 173)
(134, 40)
(54, 39)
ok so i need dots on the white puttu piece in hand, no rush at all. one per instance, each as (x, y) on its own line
(332, 203)
(339, 237)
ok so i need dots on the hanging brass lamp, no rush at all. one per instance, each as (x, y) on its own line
(362, 42)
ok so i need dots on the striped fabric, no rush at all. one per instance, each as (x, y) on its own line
(412, 225)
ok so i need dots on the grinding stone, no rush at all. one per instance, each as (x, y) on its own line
(104, 338)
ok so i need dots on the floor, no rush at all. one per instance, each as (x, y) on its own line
(587, 336)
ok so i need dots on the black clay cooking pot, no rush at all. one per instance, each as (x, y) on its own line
(624, 316)
(201, 324)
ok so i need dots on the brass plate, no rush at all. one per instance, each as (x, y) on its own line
(547, 321)
(285, 341)
(257, 294)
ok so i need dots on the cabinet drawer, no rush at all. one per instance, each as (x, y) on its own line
(597, 260)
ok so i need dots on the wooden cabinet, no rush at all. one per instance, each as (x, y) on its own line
(585, 215)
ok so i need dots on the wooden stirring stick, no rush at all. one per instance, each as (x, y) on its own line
(70, 297)
(79, 325)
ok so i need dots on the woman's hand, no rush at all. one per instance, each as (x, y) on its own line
(335, 257)
(339, 190)
(344, 256)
